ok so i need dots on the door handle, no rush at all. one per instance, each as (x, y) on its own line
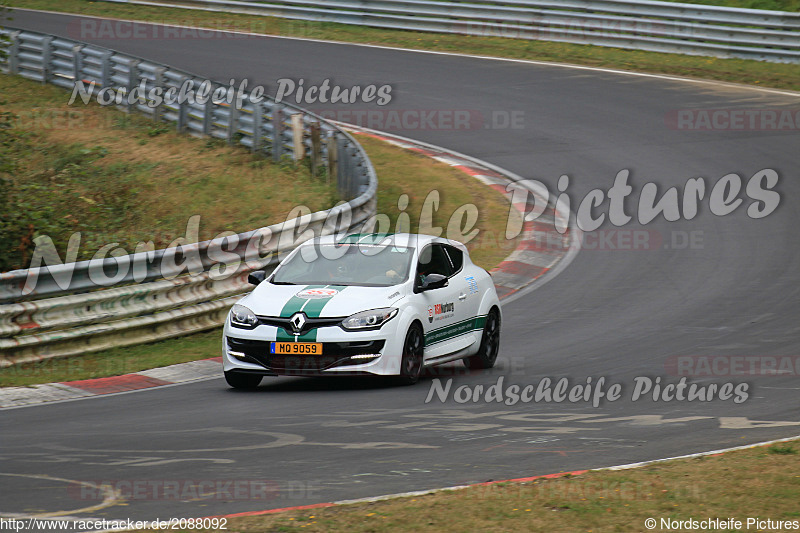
(462, 296)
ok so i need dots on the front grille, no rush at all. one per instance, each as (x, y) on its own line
(334, 354)
(310, 323)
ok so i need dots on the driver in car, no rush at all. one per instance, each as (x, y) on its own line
(397, 269)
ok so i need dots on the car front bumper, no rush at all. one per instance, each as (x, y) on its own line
(376, 352)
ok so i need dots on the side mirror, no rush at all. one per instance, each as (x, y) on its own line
(434, 281)
(254, 278)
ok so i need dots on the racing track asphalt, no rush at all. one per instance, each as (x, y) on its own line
(613, 313)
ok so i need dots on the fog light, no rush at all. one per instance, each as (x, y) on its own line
(237, 355)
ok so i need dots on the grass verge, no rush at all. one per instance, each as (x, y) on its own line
(122, 178)
(704, 488)
(777, 75)
(116, 361)
(405, 178)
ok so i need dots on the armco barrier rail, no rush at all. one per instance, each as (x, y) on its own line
(72, 308)
(634, 24)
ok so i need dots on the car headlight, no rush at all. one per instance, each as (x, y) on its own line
(372, 319)
(243, 317)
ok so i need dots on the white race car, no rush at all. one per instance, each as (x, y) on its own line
(379, 304)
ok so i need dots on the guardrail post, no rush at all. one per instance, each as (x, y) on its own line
(105, 79)
(297, 137)
(333, 158)
(77, 63)
(258, 115)
(351, 168)
(183, 109)
(277, 132)
(363, 183)
(133, 80)
(157, 111)
(208, 112)
(13, 54)
(316, 148)
(47, 58)
(358, 173)
(180, 124)
(342, 171)
(233, 121)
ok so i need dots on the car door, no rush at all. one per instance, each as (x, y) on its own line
(445, 332)
(468, 296)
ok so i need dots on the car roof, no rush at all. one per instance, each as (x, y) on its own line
(413, 240)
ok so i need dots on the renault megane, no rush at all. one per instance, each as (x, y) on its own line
(365, 304)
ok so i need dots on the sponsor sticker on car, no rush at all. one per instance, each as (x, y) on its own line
(441, 311)
(473, 285)
(317, 294)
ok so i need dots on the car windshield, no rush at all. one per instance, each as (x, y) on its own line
(346, 264)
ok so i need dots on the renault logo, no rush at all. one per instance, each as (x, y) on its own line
(297, 321)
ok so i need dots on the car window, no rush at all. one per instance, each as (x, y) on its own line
(434, 260)
(456, 257)
(363, 264)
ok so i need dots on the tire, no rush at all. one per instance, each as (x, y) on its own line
(241, 380)
(490, 343)
(413, 348)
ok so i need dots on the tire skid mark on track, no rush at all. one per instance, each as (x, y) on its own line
(110, 497)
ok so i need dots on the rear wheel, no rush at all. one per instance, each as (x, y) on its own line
(411, 363)
(241, 380)
(490, 343)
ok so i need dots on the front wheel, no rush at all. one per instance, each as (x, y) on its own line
(490, 343)
(411, 363)
(240, 380)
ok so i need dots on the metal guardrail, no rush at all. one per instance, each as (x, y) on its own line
(634, 24)
(72, 308)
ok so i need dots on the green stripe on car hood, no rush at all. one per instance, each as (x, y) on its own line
(312, 307)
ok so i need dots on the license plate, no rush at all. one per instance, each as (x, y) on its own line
(296, 348)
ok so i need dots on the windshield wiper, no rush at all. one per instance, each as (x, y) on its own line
(282, 283)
